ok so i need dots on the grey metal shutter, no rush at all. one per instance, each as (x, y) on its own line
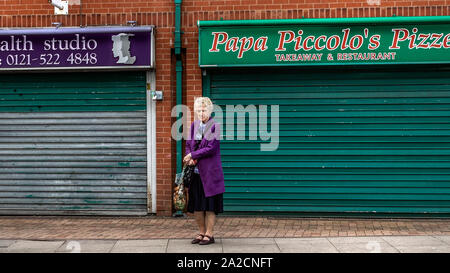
(73, 144)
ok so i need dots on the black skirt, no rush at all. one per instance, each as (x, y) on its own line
(197, 200)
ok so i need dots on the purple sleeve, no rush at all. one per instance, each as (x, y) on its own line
(188, 147)
(206, 151)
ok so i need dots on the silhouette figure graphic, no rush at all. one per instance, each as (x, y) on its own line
(121, 48)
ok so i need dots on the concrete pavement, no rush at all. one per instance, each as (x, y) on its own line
(153, 234)
(373, 244)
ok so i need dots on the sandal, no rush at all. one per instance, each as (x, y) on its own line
(207, 242)
(196, 241)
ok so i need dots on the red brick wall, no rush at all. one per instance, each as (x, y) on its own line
(39, 13)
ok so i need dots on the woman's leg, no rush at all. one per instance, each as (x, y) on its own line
(200, 219)
(210, 221)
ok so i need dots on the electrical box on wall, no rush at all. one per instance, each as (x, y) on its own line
(61, 7)
(157, 95)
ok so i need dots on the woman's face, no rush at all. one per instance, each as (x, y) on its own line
(202, 113)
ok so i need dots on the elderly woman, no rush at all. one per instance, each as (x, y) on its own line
(207, 186)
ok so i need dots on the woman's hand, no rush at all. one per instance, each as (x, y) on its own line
(187, 158)
(192, 162)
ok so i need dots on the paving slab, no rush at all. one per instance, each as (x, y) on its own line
(362, 245)
(252, 248)
(249, 245)
(366, 248)
(141, 246)
(423, 249)
(6, 243)
(305, 245)
(185, 246)
(26, 246)
(139, 249)
(445, 239)
(86, 246)
(413, 241)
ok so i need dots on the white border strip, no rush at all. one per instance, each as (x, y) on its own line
(151, 143)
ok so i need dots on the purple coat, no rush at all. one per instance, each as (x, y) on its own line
(208, 159)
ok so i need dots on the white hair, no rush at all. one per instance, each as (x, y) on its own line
(203, 101)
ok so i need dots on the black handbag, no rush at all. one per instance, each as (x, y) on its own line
(188, 175)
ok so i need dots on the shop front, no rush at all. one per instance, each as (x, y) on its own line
(358, 114)
(76, 121)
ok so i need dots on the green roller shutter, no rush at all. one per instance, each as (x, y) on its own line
(73, 143)
(356, 140)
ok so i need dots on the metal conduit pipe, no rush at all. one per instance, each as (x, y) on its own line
(179, 79)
